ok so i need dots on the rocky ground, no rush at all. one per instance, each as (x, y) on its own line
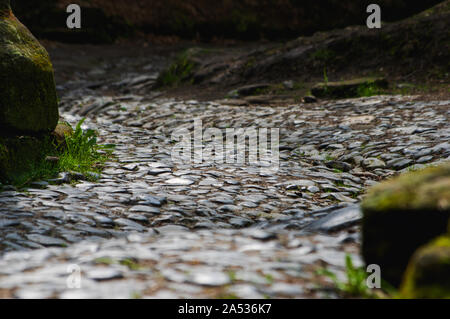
(155, 227)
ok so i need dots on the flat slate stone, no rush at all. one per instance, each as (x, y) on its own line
(210, 279)
(128, 223)
(8, 223)
(337, 220)
(179, 182)
(46, 240)
(145, 209)
(105, 274)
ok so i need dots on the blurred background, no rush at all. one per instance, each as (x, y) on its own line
(106, 20)
(209, 48)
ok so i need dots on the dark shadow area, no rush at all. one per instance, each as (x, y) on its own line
(104, 21)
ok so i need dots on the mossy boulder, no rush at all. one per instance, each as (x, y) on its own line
(403, 214)
(20, 156)
(428, 273)
(350, 88)
(28, 100)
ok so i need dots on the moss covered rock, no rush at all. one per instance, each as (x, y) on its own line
(428, 273)
(403, 214)
(20, 156)
(28, 100)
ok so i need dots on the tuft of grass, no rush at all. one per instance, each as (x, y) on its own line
(340, 184)
(325, 76)
(136, 295)
(325, 79)
(269, 278)
(329, 157)
(81, 153)
(180, 70)
(127, 262)
(370, 89)
(104, 261)
(130, 263)
(356, 284)
(232, 275)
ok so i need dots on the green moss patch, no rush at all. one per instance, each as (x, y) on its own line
(427, 189)
(22, 159)
(428, 274)
(28, 100)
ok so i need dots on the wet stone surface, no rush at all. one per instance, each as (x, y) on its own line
(155, 227)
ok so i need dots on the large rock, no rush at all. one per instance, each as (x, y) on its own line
(28, 100)
(403, 214)
(21, 157)
(428, 274)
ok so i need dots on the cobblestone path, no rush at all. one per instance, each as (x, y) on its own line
(154, 227)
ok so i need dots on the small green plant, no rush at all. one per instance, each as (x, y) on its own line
(370, 89)
(232, 275)
(355, 286)
(81, 153)
(104, 261)
(325, 76)
(269, 278)
(325, 79)
(340, 184)
(180, 70)
(130, 263)
(136, 295)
